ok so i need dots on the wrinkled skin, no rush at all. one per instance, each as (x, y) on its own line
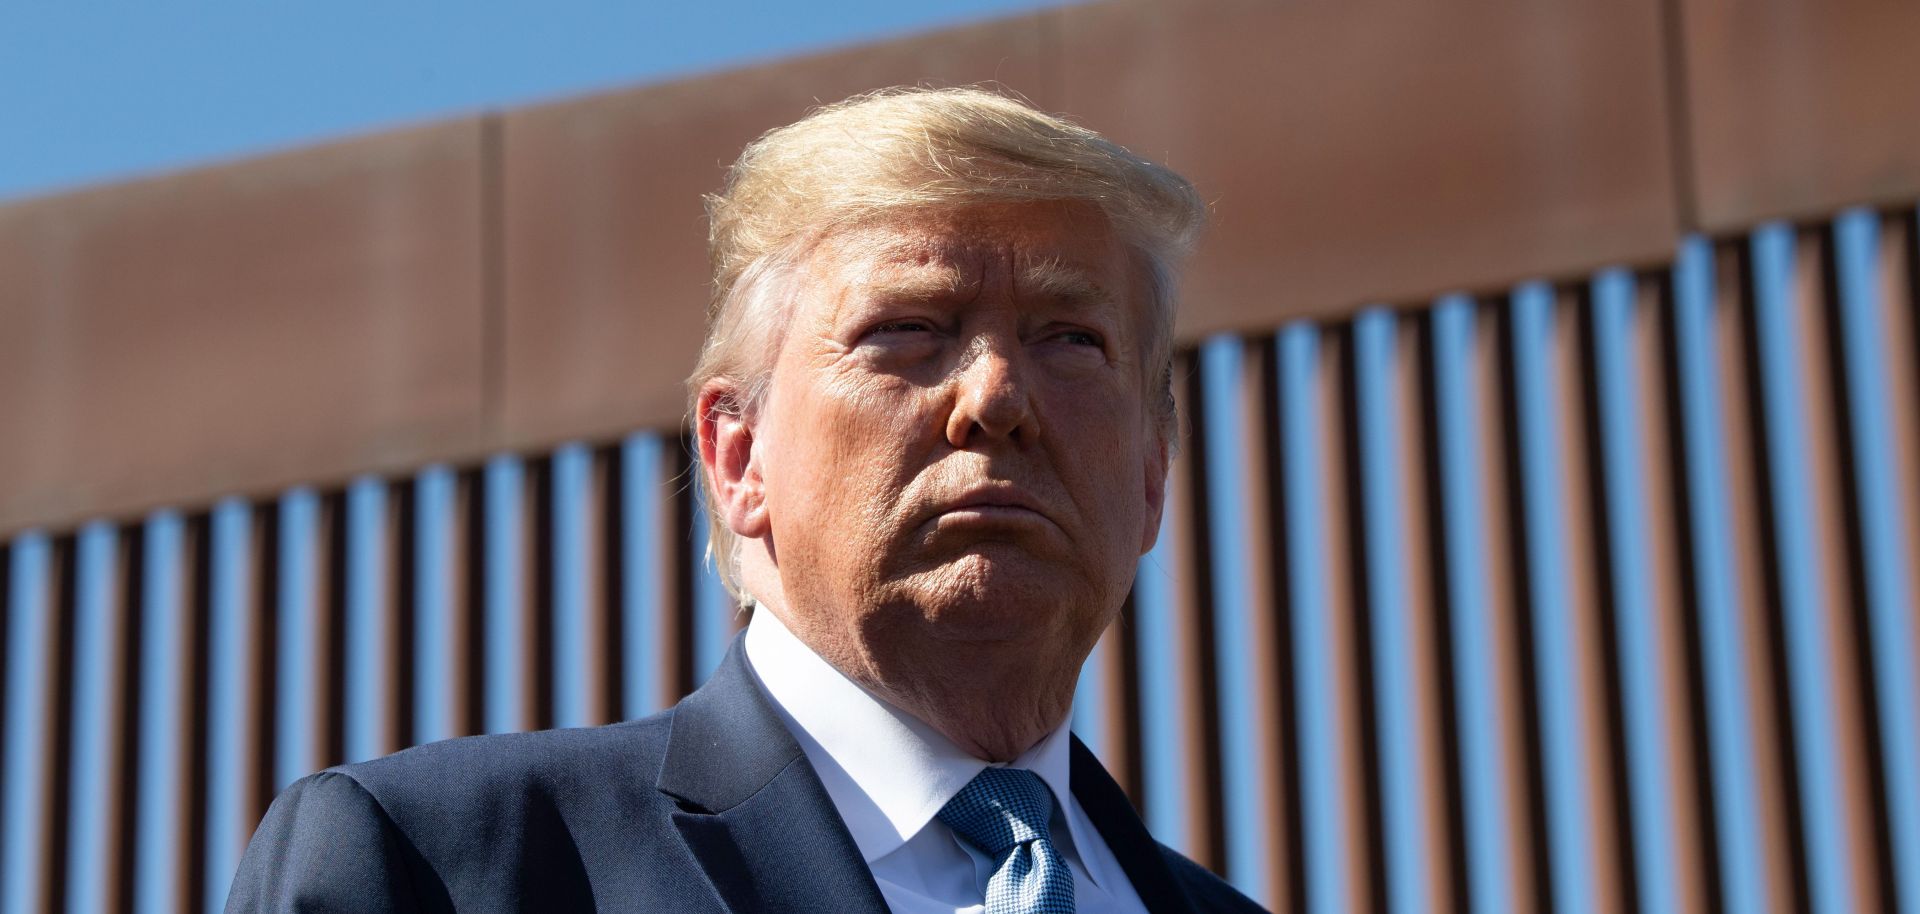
(955, 470)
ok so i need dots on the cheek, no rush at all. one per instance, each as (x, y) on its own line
(1101, 450)
(869, 428)
(845, 453)
(1098, 424)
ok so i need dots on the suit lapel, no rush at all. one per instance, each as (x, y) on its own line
(752, 812)
(755, 817)
(1112, 814)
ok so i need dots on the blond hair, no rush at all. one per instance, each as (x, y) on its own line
(903, 150)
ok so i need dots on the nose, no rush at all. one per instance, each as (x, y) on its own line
(992, 399)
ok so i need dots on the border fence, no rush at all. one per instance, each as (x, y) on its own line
(1592, 595)
(1545, 535)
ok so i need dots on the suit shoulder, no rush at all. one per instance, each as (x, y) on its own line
(1208, 891)
(483, 771)
(557, 815)
(326, 844)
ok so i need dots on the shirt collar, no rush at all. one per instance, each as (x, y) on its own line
(887, 772)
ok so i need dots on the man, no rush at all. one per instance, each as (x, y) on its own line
(934, 419)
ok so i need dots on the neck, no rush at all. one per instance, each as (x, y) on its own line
(995, 723)
(991, 703)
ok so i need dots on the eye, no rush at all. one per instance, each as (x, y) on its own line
(902, 325)
(1079, 338)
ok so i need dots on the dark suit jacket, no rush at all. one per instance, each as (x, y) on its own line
(710, 807)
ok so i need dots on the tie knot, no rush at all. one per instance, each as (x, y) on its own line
(1000, 809)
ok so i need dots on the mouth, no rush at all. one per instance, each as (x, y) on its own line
(991, 504)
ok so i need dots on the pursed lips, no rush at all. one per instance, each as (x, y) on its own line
(1001, 502)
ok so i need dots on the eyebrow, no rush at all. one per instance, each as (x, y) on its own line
(1062, 283)
(921, 284)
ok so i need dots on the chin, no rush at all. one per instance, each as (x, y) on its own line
(993, 594)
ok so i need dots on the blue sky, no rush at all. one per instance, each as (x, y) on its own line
(93, 92)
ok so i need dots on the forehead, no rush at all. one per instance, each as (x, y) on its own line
(1058, 250)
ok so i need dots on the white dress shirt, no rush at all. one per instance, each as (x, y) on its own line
(889, 774)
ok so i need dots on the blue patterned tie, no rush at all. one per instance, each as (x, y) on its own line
(1004, 813)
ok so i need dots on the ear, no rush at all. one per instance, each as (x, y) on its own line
(1157, 465)
(728, 460)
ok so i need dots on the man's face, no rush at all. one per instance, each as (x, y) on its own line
(956, 451)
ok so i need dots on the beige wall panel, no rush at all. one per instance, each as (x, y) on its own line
(605, 283)
(240, 328)
(1390, 154)
(1801, 106)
